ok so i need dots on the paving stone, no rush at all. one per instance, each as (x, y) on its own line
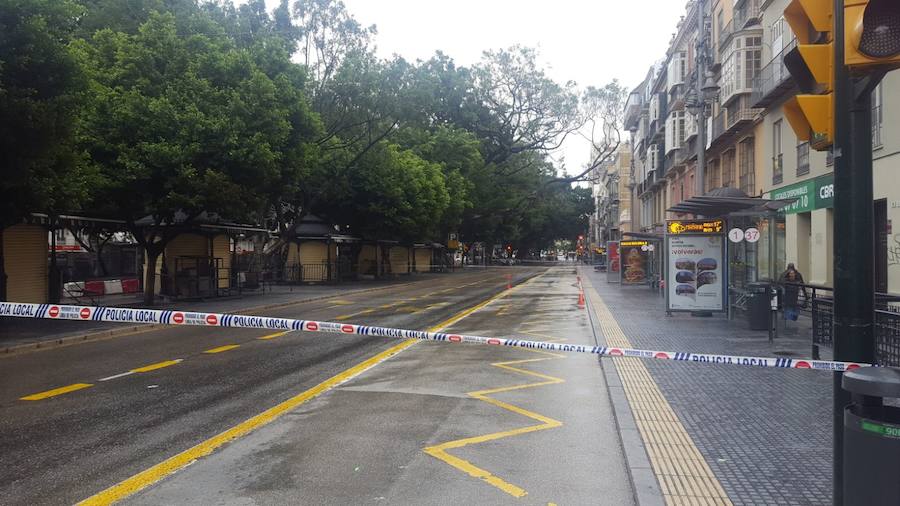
(765, 433)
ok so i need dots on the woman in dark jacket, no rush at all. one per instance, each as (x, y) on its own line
(791, 281)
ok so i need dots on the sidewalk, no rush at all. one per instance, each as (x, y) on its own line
(24, 333)
(765, 434)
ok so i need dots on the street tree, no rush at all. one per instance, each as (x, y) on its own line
(180, 125)
(41, 85)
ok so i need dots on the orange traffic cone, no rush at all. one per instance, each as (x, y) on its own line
(508, 281)
(581, 299)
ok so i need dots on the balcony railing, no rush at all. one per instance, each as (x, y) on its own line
(773, 80)
(726, 124)
(633, 109)
(747, 15)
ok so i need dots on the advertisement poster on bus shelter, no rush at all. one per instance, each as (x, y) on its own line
(695, 270)
(635, 259)
(613, 262)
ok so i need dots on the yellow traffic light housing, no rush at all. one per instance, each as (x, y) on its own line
(811, 64)
(808, 18)
(812, 118)
(872, 33)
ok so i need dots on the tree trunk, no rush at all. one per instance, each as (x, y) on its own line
(150, 275)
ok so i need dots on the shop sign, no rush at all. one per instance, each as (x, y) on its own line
(809, 195)
(634, 259)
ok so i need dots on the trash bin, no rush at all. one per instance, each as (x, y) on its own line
(871, 437)
(759, 310)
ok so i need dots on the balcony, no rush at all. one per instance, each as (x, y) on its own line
(726, 126)
(747, 14)
(633, 110)
(773, 80)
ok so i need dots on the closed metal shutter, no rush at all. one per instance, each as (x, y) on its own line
(25, 257)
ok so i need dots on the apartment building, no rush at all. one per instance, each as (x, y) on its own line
(793, 170)
(612, 185)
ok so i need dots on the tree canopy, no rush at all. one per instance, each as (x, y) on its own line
(169, 109)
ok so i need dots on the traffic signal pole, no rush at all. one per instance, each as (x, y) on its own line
(854, 243)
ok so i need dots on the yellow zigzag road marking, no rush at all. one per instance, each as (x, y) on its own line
(440, 451)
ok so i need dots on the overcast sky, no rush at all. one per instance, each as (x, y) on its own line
(588, 41)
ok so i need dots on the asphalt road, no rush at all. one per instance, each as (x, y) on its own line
(439, 424)
(63, 448)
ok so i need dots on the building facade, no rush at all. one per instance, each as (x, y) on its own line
(751, 146)
(612, 198)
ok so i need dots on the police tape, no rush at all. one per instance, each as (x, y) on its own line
(176, 317)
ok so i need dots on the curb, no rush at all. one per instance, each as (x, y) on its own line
(644, 483)
(102, 335)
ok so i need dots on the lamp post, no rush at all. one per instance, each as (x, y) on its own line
(704, 92)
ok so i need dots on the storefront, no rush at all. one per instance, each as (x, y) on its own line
(806, 229)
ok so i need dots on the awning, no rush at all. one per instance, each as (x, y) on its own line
(647, 236)
(724, 201)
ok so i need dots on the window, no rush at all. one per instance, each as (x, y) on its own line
(720, 24)
(675, 72)
(777, 32)
(728, 168)
(674, 131)
(741, 66)
(653, 157)
(712, 175)
(748, 173)
(877, 116)
(802, 158)
(777, 155)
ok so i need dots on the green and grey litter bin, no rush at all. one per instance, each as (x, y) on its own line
(872, 437)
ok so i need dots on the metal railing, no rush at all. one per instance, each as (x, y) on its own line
(887, 323)
(746, 14)
(772, 78)
(724, 122)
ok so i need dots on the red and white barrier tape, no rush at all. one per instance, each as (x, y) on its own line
(175, 317)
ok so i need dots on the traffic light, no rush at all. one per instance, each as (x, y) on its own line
(811, 64)
(872, 34)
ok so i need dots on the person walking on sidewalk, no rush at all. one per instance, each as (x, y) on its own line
(792, 281)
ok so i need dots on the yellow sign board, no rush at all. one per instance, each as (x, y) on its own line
(675, 227)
